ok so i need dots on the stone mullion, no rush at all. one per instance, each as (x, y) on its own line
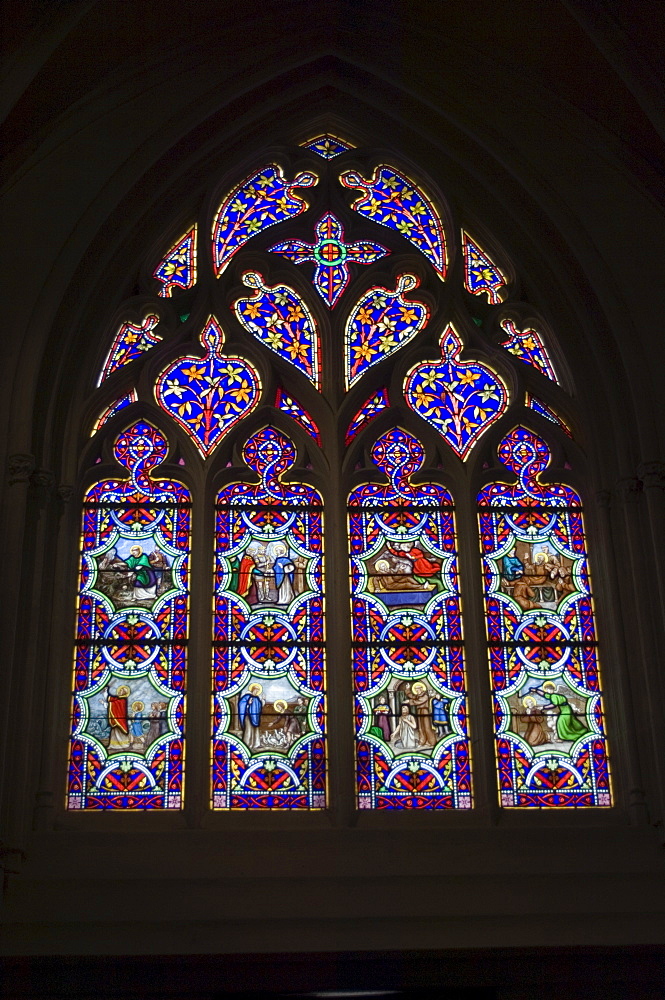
(652, 475)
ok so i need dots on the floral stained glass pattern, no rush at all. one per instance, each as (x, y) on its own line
(529, 347)
(412, 741)
(392, 200)
(269, 733)
(111, 410)
(287, 404)
(379, 324)
(376, 403)
(481, 274)
(129, 343)
(331, 255)
(178, 268)
(126, 748)
(327, 146)
(263, 199)
(207, 396)
(546, 411)
(461, 399)
(549, 725)
(279, 318)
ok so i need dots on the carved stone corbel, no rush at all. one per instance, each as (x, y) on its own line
(20, 467)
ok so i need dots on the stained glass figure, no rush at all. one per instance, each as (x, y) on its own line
(331, 255)
(376, 403)
(111, 410)
(392, 200)
(280, 319)
(481, 274)
(412, 741)
(379, 324)
(550, 734)
(269, 732)
(130, 343)
(263, 199)
(208, 395)
(287, 404)
(327, 145)
(178, 268)
(126, 748)
(461, 399)
(546, 411)
(528, 346)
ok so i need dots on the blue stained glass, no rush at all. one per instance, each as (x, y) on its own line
(379, 324)
(208, 395)
(461, 399)
(130, 343)
(263, 199)
(546, 411)
(279, 318)
(412, 744)
(392, 200)
(331, 255)
(529, 347)
(111, 410)
(327, 145)
(287, 404)
(178, 268)
(376, 403)
(549, 724)
(481, 275)
(269, 726)
(127, 737)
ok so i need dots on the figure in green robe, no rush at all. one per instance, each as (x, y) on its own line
(568, 726)
(146, 578)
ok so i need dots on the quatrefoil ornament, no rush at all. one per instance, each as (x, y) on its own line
(461, 399)
(208, 395)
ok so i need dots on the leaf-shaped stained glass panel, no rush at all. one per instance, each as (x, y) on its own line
(178, 268)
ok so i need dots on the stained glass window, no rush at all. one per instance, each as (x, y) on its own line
(481, 274)
(412, 742)
(263, 199)
(178, 268)
(331, 255)
(548, 715)
(130, 342)
(377, 402)
(269, 673)
(461, 399)
(392, 200)
(546, 411)
(110, 411)
(327, 145)
(287, 404)
(127, 735)
(528, 346)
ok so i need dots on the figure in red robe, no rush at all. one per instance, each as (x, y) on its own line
(424, 569)
(120, 738)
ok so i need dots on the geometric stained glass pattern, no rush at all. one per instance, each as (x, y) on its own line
(129, 343)
(549, 725)
(412, 740)
(327, 145)
(269, 727)
(208, 395)
(331, 255)
(481, 275)
(376, 403)
(263, 199)
(392, 200)
(278, 317)
(546, 411)
(127, 731)
(461, 399)
(379, 324)
(528, 346)
(111, 410)
(178, 268)
(287, 404)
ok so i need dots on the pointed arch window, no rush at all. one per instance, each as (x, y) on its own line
(324, 379)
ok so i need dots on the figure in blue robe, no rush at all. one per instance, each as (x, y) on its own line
(512, 568)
